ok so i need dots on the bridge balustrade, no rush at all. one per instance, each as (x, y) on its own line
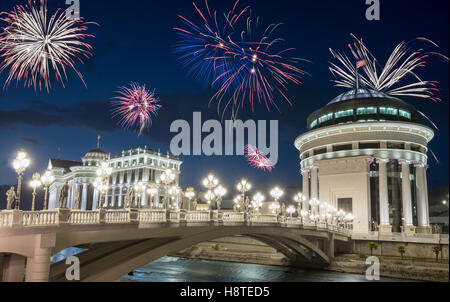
(117, 216)
(6, 218)
(152, 216)
(84, 217)
(233, 217)
(40, 218)
(264, 218)
(198, 216)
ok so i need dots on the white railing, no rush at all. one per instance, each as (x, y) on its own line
(198, 216)
(268, 218)
(152, 216)
(41, 218)
(117, 216)
(293, 221)
(233, 217)
(84, 217)
(174, 216)
(6, 219)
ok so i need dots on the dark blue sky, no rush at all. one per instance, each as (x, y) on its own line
(134, 43)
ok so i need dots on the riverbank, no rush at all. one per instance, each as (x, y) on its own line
(246, 250)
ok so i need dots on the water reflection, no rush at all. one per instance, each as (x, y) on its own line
(170, 269)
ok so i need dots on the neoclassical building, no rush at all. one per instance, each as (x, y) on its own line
(366, 153)
(132, 166)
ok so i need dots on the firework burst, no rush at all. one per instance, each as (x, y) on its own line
(397, 77)
(223, 53)
(33, 45)
(256, 159)
(202, 44)
(135, 106)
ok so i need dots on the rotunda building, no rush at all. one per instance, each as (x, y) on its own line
(366, 153)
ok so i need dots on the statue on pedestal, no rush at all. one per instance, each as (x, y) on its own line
(63, 195)
(194, 204)
(10, 198)
(76, 200)
(283, 209)
(218, 204)
(129, 197)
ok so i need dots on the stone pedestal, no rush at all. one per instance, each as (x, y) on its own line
(423, 230)
(63, 216)
(385, 229)
(409, 229)
(133, 215)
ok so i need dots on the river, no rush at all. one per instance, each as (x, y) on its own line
(171, 269)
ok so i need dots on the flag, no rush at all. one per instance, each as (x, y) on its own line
(361, 63)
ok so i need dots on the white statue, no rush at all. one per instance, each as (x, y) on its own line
(76, 200)
(10, 198)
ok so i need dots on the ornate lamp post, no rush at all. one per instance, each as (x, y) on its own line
(314, 205)
(258, 199)
(290, 210)
(209, 196)
(276, 193)
(47, 179)
(210, 182)
(20, 164)
(35, 183)
(220, 192)
(174, 191)
(103, 172)
(139, 188)
(274, 207)
(237, 203)
(167, 177)
(101, 188)
(152, 190)
(243, 187)
(190, 193)
(300, 199)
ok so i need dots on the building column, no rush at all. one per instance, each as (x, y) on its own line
(113, 196)
(385, 226)
(84, 198)
(120, 197)
(406, 197)
(94, 200)
(144, 198)
(305, 188)
(422, 198)
(314, 183)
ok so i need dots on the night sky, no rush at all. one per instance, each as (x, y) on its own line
(134, 42)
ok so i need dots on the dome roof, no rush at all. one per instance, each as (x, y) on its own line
(362, 93)
(96, 154)
(362, 105)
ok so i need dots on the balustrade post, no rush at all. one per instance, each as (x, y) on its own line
(101, 215)
(133, 215)
(63, 216)
(17, 218)
(183, 219)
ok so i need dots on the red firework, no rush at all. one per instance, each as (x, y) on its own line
(135, 106)
(258, 160)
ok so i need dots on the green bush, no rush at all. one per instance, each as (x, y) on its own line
(362, 256)
(372, 246)
(217, 247)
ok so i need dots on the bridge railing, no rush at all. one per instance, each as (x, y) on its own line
(84, 217)
(152, 216)
(40, 218)
(6, 218)
(14, 218)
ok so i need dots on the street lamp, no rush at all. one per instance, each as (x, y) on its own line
(209, 196)
(167, 177)
(258, 199)
(190, 193)
(314, 204)
(20, 164)
(243, 187)
(276, 193)
(219, 192)
(139, 188)
(103, 172)
(152, 190)
(35, 183)
(300, 198)
(210, 182)
(290, 210)
(237, 202)
(174, 191)
(47, 179)
(274, 207)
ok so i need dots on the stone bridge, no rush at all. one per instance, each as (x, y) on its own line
(119, 241)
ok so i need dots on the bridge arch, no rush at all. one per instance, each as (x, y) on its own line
(134, 254)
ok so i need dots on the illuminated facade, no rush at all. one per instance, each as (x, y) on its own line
(366, 153)
(131, 167)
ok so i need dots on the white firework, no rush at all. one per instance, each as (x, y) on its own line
(33, 46)
(397, 77)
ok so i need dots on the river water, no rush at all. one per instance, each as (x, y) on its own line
(171, 269)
